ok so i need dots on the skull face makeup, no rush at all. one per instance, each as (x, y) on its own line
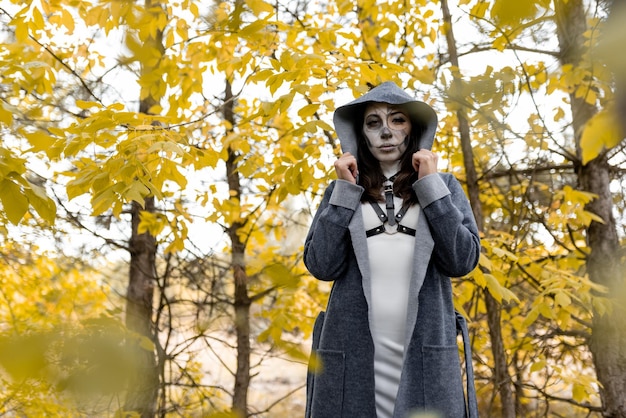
(386, 128)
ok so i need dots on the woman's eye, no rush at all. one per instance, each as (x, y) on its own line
(398, 120)
(373, 124)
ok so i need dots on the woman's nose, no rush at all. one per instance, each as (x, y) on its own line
(385, 133)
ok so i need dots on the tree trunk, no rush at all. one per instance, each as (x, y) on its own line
(144, 385)
(143, 389)
(502, 380)
(615, 36)
(608, 340)
(241, 302)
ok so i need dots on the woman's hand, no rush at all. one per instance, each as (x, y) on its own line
(346, 168)
(425, 162)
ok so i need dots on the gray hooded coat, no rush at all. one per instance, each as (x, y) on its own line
(446, 245)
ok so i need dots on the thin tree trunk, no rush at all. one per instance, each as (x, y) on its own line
(502, 379)
(608, 340)
(143, 389)
(241, 302)
(616, 36)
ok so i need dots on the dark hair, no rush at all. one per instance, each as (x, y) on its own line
(370, 174)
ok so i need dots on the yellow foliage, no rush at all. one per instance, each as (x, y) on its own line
(602, 132)
(152, 223)
(60, 351)
(18, 194)
(6, 116)
(510, 13)
(286, 75)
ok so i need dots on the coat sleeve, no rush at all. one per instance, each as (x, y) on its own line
(328, 243)
(451, 222)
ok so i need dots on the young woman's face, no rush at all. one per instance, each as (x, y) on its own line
(386, 129)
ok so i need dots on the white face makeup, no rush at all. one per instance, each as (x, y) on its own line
(385, 128)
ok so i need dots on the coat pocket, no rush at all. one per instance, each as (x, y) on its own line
(443, 384)
(328, 381)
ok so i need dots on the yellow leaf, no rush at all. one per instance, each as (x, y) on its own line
(479, 9)
(43, 205)
(562, 299)
(137, 192)
(103, 201)
(253, 28)
(579, 392)
(509, 12)
(68, 20)
(21, 29)
(538, 365)
(484, 261)
(531, 317)
(14, 203)
(85, 105)
(479, 277)
(146, 343)
(39, 140)
(151, 223)
(546, 310)
(308, 110)
(280, 275)
(6, 116)
(587, 217)
(601, 132)
(116, 106)
(259, 7)
(502, 253)
(494, 287)
(37, 18)
(577, 196)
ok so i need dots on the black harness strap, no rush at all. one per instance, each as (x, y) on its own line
(389, 216)
(406, 230)
(389, 204)
(383, 217)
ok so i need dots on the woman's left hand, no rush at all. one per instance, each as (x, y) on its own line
(425, 162)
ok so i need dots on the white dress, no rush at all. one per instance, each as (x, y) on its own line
(391, 259)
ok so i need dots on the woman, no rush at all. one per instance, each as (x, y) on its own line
(390, 232)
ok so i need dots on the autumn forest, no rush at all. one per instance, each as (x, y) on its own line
(161, 161)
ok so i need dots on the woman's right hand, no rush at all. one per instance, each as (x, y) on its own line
(346, 168)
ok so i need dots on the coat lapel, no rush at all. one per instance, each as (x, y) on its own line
(359, 245)
(421, 257)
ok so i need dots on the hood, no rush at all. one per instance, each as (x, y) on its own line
(420, 113)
